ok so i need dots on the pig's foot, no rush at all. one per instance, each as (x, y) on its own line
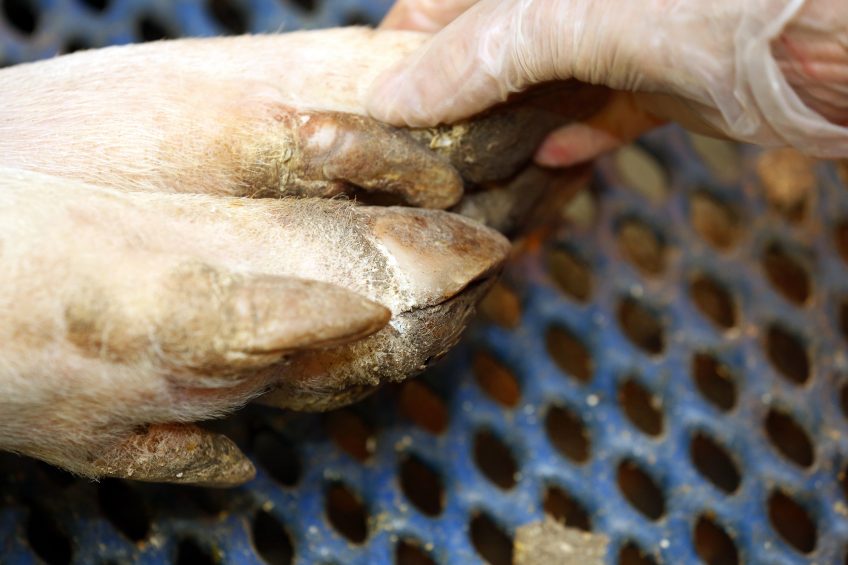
(127, 311)
(250, 116)
(259, 116)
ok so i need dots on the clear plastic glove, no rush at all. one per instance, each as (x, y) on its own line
(773, 72)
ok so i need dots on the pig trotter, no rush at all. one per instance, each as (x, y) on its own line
(145, 309)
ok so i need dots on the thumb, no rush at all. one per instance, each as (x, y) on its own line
(498, 47)
(621, 121)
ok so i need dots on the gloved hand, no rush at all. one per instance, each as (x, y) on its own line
(145, 282)
(773, 72)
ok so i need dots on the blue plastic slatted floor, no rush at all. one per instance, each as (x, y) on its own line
(670, 370)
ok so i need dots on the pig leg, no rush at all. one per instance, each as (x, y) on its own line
(127, 315)
(257, 116)
(248, 116)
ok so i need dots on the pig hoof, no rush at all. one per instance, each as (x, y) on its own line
(534, 197)
(175, 453)
(441, 264)
(496, 145)
(321, 154)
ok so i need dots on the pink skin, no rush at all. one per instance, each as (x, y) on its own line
(574, 144)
